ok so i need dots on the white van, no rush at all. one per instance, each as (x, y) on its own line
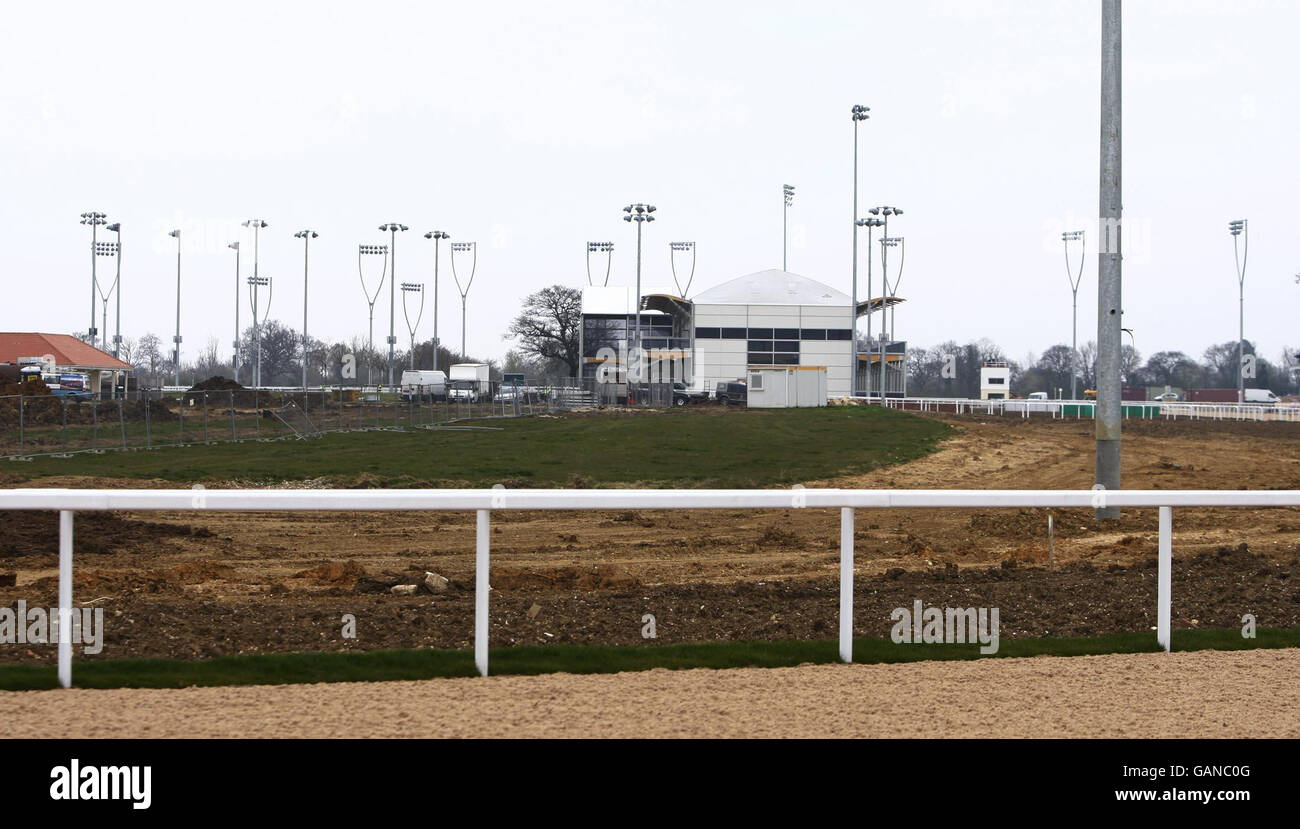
(1262, 396)
(424, 385)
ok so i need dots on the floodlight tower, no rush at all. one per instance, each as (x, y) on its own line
(113, 249)
(1075, 278)
(306, 236)
(392, 228)
(255, 284)
(437, 236)
(600, 247)
(788, 189)
(860, 114)
(94, 219)
(472, 249)
(887, 242)
(675, 248)
(176, 351)
(1238, 227)
(870, 223)
(639, 213)
(413, 288)
(883, 212)
(235, 247)
(363, 251)
(116, 227)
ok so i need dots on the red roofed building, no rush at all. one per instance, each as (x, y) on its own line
(61, 352)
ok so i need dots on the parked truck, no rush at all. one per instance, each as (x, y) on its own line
(424, 385)
(470, 382)
(1211, 395)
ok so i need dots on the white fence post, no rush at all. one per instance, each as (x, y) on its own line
(65, 598)
(846, 584)
(481, 588)
(1164, 577)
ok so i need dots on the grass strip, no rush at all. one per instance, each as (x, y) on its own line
(376, 666)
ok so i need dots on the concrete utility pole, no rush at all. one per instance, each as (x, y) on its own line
(1109, 262)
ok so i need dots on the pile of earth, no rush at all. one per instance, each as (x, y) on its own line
(220, 390)
(36, 533)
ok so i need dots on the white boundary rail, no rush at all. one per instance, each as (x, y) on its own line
(483, 501)
(1084, 409)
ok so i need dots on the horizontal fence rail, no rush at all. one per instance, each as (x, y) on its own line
(1086, 409)
(483, 501)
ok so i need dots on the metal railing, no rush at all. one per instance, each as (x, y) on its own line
(1086, 409)
(35, 425)
(483, 502)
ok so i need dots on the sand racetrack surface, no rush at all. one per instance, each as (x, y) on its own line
(1196, 694)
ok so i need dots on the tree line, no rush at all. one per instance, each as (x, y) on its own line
(952, 370)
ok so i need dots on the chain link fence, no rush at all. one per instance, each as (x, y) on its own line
(34, 425)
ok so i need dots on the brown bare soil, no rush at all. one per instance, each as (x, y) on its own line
(1199, 694)
(187, 585)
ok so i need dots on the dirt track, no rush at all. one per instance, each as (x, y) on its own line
(1202, 694)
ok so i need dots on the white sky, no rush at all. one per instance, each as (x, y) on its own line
(527, 126)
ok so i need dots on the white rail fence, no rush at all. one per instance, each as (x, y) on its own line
(69, 501)
(1084, 409)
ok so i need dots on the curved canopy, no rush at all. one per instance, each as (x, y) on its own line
(870, 306)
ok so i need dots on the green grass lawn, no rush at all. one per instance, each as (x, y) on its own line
(375, 666)
(680, 448)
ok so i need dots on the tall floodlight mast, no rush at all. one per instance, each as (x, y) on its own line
(437, 236)
(235, 360)
(1238, 228)
(255, 285)
(472, 249)
(675, 248)
(362, 252)
(94, 219)
(1075, 278)
(392, 228)
(606, 248)
(407, 289)
(788, 190)
(640, 214)
(860, 114)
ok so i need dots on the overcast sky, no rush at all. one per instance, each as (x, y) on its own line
(527, 126)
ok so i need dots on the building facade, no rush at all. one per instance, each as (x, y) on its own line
(767, 319)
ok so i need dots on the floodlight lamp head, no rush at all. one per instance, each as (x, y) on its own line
(175, 233)
(116, 227)
(233, 246)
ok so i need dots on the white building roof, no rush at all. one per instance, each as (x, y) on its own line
(773, 287)
(618, 299)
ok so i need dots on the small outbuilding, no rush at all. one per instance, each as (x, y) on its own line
(787, 387)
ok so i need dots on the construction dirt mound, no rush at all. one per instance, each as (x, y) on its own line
(34, 533)
(217, 383)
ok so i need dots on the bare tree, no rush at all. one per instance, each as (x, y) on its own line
(548, 328)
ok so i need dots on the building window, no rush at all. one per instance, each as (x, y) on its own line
(839, 334)
(757, 359)
(734, 334)
(760, 333)
(760, 345)
(708, 333)
(786, 334)
(755, 381)
(785, 359)
(813, 334)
